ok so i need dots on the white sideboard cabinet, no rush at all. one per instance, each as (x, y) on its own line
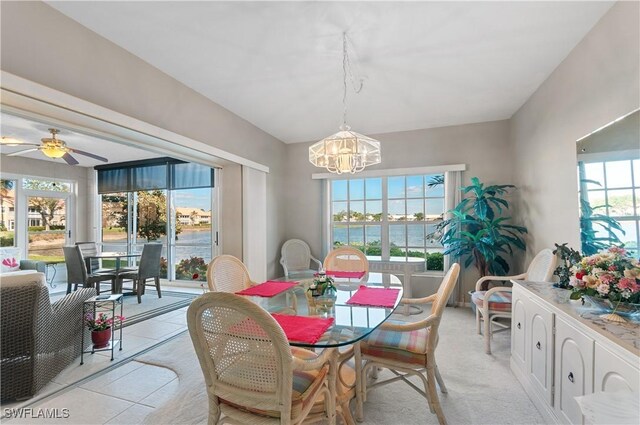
(561, 349)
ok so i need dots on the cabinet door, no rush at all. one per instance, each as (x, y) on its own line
(518, 330)
(540, 350)
(574, 371)
(611, 373)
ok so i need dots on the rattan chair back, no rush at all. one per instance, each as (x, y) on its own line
(243, 353)
(542, 266)
(296, 256)
(440, 302)
(227, 274)
(346, 259)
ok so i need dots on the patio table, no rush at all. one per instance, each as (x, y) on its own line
(113, 255)
(352, 323)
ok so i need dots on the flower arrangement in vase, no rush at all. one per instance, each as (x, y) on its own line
(321, 285)
(608, 278)
(100, 327)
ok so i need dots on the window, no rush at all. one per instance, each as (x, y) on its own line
(162, 200)
(612, 188)
(7, 214)
(390, 217)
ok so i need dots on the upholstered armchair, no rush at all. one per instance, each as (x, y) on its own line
(39, 339)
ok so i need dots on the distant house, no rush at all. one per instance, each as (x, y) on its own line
(193, 216)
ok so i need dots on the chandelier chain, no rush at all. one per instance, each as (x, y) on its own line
(346, 67)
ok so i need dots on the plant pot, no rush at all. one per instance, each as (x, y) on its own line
(101, 338)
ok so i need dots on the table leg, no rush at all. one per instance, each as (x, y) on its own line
(357, 359)
(333, 384)
(121, 315)
(82, 337)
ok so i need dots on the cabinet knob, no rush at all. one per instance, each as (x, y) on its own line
(519, 325)
(538, 345)
(570, 376)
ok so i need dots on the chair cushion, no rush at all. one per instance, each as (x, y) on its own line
(500, 301)
(405, 347)
(306, 384)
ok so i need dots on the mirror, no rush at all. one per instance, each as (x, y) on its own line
(609, 186)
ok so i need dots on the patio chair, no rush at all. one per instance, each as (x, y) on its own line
(296, 258)
(89, 249)
(252, 376)
(148, 268)
(499, 305)
(408, 348)
(347, 259)
(77, 272)
(39, 339)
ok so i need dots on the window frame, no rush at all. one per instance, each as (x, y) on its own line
(452, 175)
(605, 189)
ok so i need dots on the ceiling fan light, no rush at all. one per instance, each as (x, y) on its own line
(53, 151)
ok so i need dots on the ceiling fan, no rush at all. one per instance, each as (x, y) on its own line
(51, 147)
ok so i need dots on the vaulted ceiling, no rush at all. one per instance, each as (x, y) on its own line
(279, 64)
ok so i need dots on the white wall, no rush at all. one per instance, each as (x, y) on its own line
(483, 147)
(597, 83)
(42, 45)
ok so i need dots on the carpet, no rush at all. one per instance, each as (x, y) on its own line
(482, 389)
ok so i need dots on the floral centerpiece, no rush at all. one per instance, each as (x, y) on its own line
(611, 276)
(100, 327)
(569, 257)
(321, 285)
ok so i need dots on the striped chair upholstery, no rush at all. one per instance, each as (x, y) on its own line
(499, 301)
(405, 347)
(306, 385)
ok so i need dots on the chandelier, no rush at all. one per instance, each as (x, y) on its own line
(345, 151)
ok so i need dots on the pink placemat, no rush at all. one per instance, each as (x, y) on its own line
(338, 273)
(303, 328)
(269, 288)
(375, 297)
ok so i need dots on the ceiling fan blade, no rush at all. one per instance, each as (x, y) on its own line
(69, 159)
(90, 155)
(13, 142)
(21, 152)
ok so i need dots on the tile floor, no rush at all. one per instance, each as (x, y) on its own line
(126, 393)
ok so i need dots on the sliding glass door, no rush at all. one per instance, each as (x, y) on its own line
(180, 215)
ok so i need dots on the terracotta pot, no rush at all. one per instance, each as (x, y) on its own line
(101, 338)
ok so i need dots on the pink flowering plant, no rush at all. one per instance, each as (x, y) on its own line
(102, 322)
(610, 274)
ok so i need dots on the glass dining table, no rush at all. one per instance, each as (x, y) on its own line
(351, 323)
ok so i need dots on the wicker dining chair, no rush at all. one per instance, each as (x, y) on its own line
(499, 305)
(252, 375)
(347, 259)
(408, 348)
(296, 258)
(226, 273)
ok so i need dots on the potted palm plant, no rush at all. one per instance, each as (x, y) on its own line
(478, 232)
